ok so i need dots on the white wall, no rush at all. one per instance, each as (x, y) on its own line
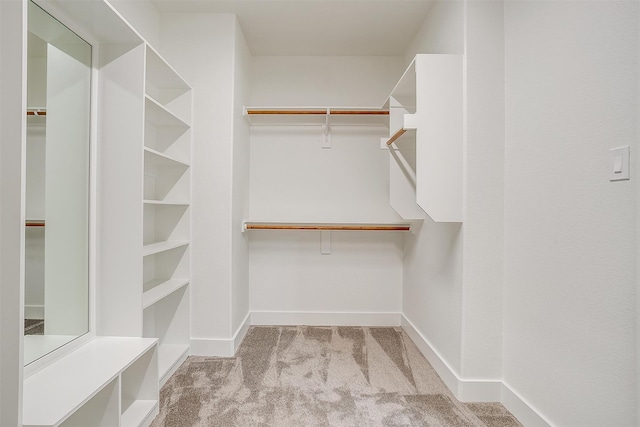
(294, 179)
(362, 81)
(570, 277)
(432, 282)
(441, 32)
(240, 182)
(201, 48)
(143, 16)
(452, 291)
(483, 231)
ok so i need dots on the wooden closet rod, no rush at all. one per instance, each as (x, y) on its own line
(329, 227)
(36, 113)
(34, 224)
(395, 136)
(319, 112)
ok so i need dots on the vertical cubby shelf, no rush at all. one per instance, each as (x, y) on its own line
(425, 144)
(166, 218)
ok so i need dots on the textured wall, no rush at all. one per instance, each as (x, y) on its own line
(432, 275)
(206, 62)
(571, 95)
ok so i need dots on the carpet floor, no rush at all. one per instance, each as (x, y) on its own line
(319, 376)
(34, 327)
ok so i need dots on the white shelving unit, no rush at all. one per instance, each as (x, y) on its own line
(166, 217)
(118, 386)
(425, 142)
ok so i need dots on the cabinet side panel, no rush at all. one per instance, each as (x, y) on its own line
(439, 136)
(121, 106)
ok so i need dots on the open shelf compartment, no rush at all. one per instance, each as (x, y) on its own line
(140, 390)
(168, 320)
(165, 85)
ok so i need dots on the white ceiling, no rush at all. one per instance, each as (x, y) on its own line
(318, 27)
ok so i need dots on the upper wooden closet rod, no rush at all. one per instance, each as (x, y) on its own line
(36, 113)
(34, 224)
(265, 111)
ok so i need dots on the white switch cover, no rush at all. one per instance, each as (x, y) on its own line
(619, 164)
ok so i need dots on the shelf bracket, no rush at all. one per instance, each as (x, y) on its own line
(326, 131)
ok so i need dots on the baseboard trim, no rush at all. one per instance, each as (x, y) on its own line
(446, 372)
(217, 347)
(465, 390)
(34, 312)
(324, 319)
(221, 347)
(241, 332)
(521, 409)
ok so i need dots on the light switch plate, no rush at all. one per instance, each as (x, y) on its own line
(619, 164)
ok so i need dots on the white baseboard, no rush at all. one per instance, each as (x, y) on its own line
(521, 409)
(221, 347)
(324, 319)
(241, 332)
(467, 390)
(464, 390)
(218, 347)
(443, 369)
(34, 311)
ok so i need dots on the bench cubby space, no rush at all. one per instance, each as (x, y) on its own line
(102, 410)
(139, 390)
(92, 385)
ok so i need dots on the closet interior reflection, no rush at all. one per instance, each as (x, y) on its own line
(57, 185)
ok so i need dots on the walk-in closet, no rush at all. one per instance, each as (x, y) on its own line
(437, 197)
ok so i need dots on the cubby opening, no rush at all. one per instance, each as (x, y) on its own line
(139, 390)
(165, 223)
(165, 180)
(168, 320)
(101, 410)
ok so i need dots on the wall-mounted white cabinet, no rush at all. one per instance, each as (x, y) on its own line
(425, 143)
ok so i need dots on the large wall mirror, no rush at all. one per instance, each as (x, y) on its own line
(57, 186)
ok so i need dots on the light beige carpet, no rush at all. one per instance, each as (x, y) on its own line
(318, 376)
